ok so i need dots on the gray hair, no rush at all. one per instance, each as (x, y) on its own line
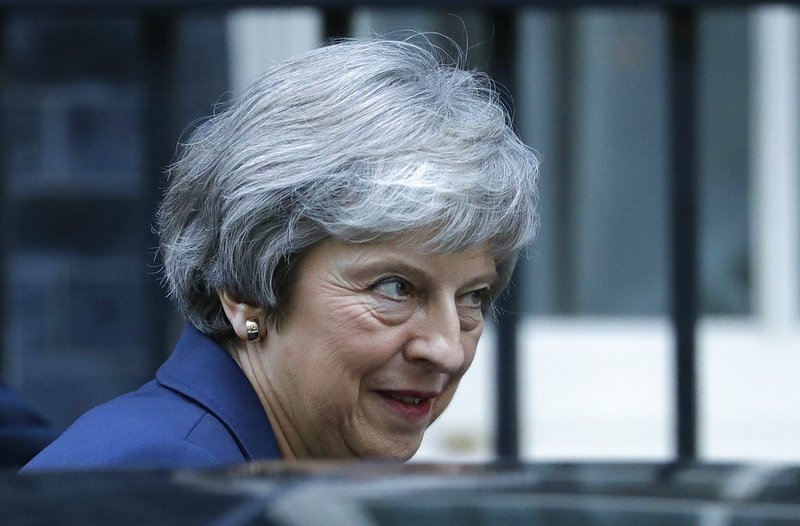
(358, 141)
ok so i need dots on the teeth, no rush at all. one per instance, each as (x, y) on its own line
(409, 400)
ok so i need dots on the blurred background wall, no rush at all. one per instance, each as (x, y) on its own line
(84, 147)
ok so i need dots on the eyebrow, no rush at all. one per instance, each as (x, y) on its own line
(364, 269)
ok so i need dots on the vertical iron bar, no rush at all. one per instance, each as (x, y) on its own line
(159, 33)
(566, 301)
(336, 23)
(5, 223)
(503, 62)
(684, 195)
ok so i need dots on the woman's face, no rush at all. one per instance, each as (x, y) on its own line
(375, 341)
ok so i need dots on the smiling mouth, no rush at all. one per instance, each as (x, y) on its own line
(409, 404)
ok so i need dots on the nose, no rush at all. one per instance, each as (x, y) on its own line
(436, 339)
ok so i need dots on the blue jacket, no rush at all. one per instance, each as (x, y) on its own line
(200, 411)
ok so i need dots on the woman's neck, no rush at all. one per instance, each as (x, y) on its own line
(247, 358)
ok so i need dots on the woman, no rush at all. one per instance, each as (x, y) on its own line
(334, 239)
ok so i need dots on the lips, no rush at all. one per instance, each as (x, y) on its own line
(412, 405)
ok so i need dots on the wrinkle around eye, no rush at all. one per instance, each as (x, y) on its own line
(390, 311)
(471, 312)
(471, 322)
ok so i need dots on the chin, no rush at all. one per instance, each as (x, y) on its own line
(405, 456)
(399, 450)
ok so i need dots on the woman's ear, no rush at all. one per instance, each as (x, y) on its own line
(248, 321)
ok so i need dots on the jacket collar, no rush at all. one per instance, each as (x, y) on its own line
(202, 370)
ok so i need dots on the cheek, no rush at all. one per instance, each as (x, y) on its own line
(469, 343)
(328, 361)
(355, 342)
(361, 354)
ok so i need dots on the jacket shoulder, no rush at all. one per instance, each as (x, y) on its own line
(153, 427)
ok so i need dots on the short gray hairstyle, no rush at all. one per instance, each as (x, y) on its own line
(361, 140)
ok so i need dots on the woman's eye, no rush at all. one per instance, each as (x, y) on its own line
(393, 288)
(477, 299)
